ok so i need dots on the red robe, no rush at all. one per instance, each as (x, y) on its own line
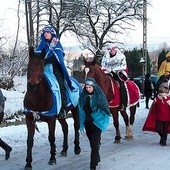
(160, 110)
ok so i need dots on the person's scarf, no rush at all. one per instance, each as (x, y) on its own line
(98, 99)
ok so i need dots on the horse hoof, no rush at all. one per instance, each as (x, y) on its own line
(63, 153)
(52, 162)
(129, 138)
(77, 151)
(28, 168)
(117, 141)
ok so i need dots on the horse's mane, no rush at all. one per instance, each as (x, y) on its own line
(101, 78)
(100, 72)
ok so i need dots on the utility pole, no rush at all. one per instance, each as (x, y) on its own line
(145, 35)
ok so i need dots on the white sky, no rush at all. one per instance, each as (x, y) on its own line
(157, 27)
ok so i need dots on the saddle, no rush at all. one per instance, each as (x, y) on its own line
(133, 92)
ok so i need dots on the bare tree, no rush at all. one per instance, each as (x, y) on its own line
(12, 60)
(12, 70)
(29, 22)
(94, 22)
(42, 12)
(99, 22)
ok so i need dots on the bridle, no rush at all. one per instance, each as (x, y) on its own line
(34, 77)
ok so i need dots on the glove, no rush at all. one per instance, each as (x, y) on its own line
(54, 43)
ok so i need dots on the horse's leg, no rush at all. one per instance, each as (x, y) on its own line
(51, 127)
(75, 115)
(132, 119)
(115, 114)
(126, 120)
(30, 141)
(64, 127)
(132, 114)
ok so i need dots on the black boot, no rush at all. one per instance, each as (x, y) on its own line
(7, 149)
(92, 167)
(163, 143)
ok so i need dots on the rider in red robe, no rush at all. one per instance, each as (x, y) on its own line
(114, 63)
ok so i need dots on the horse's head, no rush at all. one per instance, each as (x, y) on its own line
(35, 66)
(97, 73)
(87, 64)
(94, 70)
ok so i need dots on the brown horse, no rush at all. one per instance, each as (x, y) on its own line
(39, 99)
(111, 90)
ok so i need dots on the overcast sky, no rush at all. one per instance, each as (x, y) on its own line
(157, 26)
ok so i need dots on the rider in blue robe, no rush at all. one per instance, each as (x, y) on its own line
(55, 56)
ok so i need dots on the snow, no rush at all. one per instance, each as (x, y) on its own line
(141, 153)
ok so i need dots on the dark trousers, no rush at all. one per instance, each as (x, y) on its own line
(94, 135)
(123, 92)
(6, 147)
(60, 78)
(147, 101)
(162, 129)
(1, 116)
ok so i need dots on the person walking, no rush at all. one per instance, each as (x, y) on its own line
(3, 145)
(147, 89)
(158, 119)
(94, 116)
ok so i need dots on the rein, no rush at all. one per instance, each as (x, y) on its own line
(33, 74)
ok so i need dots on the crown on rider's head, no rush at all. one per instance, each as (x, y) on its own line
(111, 46)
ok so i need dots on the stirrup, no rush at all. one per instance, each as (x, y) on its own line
(62, 114)
(121, 107)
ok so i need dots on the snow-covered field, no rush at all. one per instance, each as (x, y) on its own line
(142, 153)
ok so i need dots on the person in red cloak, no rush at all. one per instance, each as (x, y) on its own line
(158, 118)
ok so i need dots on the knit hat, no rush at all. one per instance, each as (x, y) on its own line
(163, 87)
(49, 28)
(90, 81)
(168, 54)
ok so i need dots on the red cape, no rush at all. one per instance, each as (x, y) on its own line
(133, 94)
(150, 123)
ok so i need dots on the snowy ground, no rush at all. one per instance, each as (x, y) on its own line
(142, 153)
